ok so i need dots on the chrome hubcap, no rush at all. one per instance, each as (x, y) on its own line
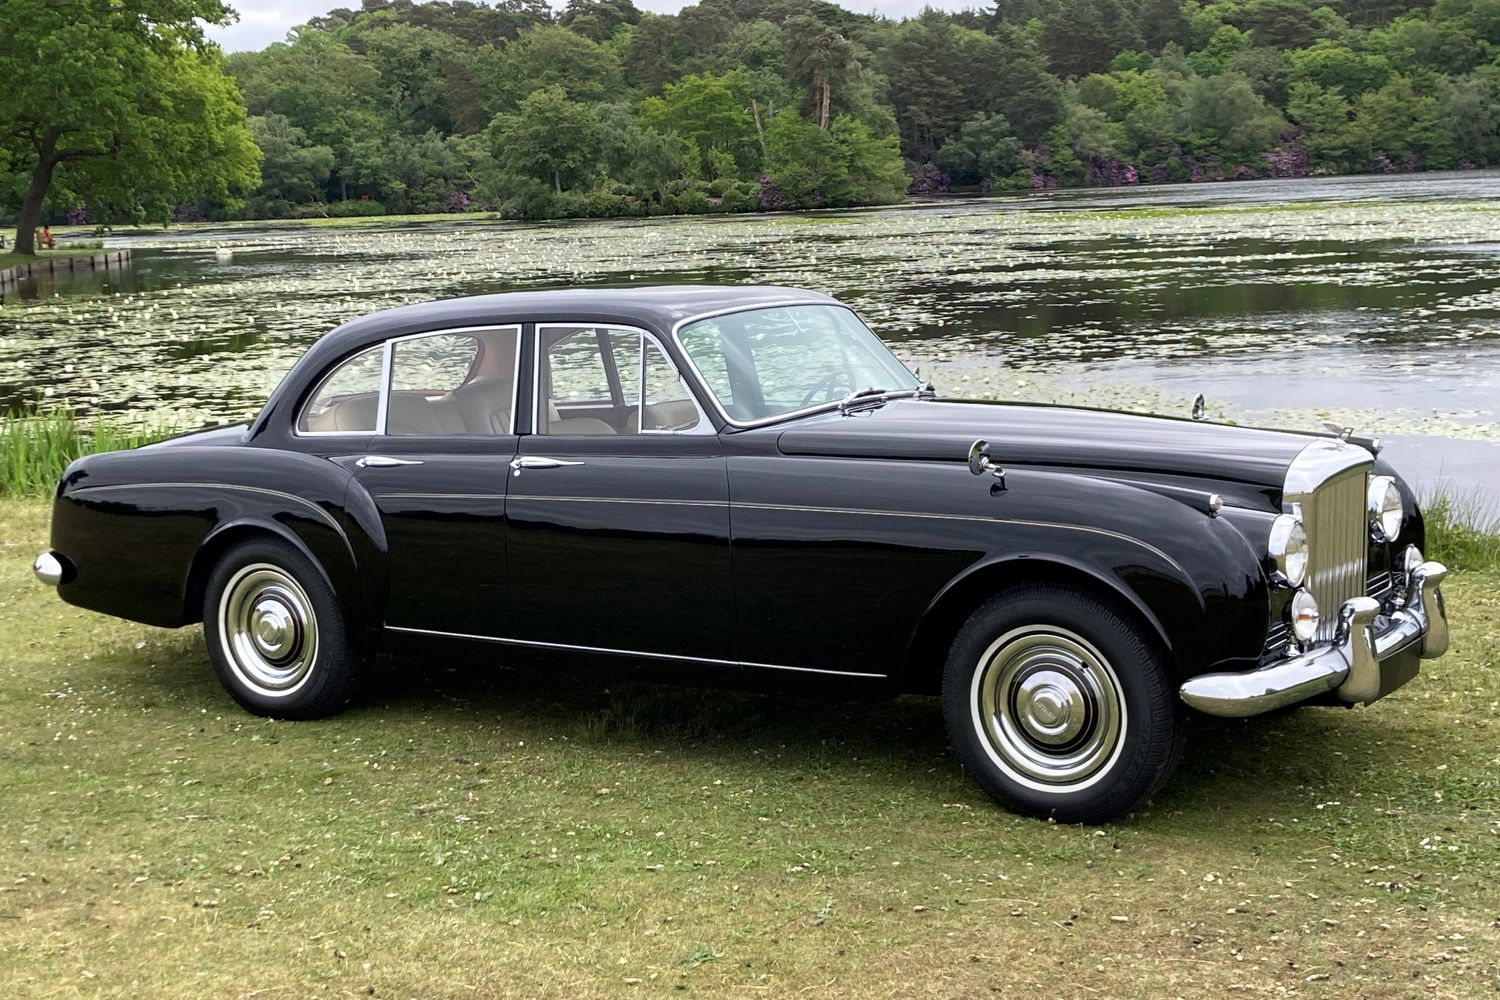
(268, 629)
(1049, 708)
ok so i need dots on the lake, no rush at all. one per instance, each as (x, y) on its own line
(1371, 302)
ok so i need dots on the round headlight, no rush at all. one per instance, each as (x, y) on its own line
(1385, 507)
(1304, 616)
(1289, 548)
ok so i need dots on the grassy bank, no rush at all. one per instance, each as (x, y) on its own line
(473, 832)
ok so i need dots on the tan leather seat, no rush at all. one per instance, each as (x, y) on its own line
(484, 405)
(557, 424)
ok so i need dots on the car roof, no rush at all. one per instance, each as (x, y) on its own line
(654, 306)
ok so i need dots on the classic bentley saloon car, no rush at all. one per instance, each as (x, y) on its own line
(743, 486)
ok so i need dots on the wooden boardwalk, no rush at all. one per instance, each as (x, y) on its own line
(103, 260)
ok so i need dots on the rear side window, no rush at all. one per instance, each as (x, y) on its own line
(348, 399)
(434, 365)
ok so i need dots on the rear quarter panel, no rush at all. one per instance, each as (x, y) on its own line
(138, 524)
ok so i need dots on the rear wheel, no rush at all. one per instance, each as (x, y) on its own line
(275, 633)
(1061, 705)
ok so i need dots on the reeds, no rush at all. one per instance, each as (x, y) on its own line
(1463, 528)
(37, 445)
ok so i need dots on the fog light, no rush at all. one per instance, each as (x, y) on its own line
(1304, 616)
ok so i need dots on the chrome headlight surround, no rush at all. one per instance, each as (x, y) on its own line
(1288, 548)
(1386, 510)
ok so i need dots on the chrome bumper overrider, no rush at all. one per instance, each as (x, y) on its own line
(1351, 663)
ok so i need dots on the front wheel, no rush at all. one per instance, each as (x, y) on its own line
(1061, 705)
(275, 633)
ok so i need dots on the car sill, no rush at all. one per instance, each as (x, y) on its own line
(672, 657)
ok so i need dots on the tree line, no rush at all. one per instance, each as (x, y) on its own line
(733, 105)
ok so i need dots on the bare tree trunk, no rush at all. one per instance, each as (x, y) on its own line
(557, 180)
(823, 114)
(36, 194)
(760, 133)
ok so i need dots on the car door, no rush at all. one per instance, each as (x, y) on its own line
(618, 506)
(437, 471)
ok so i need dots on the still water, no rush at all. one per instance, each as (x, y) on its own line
(1368, 302)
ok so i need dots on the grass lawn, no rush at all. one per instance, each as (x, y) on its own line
(469, 832)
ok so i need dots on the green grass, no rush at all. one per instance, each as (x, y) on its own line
(36, 446)
(470, 831)
(9, 258)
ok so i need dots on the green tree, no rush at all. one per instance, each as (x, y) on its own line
(984, 149)
(712, 112)
(292, 171)
(550, 138)
(821, 59)
(1323, 117)
(805, 163)
(122, 103)
(549, 56)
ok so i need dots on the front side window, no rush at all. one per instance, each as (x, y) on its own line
(603, 381)
(348, 400)
(766, 363)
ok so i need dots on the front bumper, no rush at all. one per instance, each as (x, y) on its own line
(1371, 655)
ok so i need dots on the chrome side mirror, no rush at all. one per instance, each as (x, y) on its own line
(980, 461)
(1200, 407)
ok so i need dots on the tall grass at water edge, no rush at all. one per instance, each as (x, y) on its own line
(36, 446)
(1463, 527)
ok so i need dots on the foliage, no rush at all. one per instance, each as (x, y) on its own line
(429, 107)
(118, 106)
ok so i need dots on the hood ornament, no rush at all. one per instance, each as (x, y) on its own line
(1200, 407)
(1339, 431)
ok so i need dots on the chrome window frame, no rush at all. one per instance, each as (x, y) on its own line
(703, 426)
(388, 354)
(754, 307)
(333, 370)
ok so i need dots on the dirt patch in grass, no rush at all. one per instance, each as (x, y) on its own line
(471, 831)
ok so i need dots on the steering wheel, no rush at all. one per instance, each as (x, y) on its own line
(823, 385)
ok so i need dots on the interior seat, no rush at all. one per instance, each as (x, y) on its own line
(484, 405)
(557, 424)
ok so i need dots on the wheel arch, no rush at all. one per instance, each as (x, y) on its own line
(334, 561)
(1172, 611)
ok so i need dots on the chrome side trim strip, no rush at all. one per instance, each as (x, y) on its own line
(221, 486)
(675, 657)
(440, 496)
(631, 500)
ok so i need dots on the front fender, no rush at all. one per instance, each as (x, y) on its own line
(1193, 579)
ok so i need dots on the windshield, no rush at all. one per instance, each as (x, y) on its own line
(765, 363)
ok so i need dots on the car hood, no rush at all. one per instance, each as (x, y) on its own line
(1052, 437)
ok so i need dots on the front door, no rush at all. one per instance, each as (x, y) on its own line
(618, 506)
(437, 472)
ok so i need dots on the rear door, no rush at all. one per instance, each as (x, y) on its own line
(437, 471)
(619, 533)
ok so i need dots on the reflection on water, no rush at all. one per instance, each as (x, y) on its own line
(1368, 301)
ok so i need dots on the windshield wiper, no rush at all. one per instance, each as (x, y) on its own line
(870, 396)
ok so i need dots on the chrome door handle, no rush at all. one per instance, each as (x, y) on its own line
(537, 462)
(385, 462)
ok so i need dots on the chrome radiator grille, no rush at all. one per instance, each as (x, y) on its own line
(1338, 541)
